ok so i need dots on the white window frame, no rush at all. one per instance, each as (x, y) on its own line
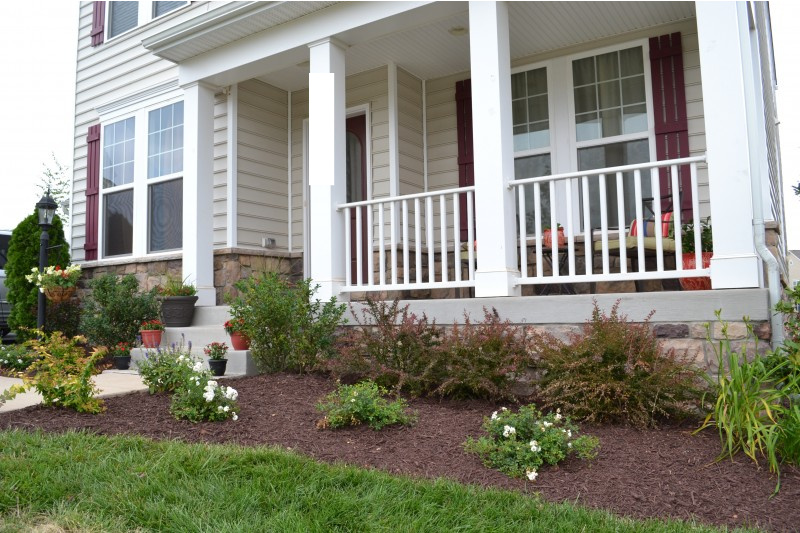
(145, 16)
(564, 145)
(140, 184)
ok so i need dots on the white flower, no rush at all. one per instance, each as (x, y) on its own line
(569, 433)
(231, 394)
(208, 395)
(504, 408)
(508, 430)
(558, 416)
(219, 408)
(547, 424)
(569, 445)
(198, 367)
(235, 417)
(226, 408)
(535, 448)
(352, 400)
(532, 475)
(494, 415)
(211, 383)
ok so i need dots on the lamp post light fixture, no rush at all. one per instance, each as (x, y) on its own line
(46, 209)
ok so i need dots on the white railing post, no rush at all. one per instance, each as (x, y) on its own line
(490, 63)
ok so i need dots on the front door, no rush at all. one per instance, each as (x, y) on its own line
(357, 190)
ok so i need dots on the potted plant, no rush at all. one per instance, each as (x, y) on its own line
(122, 355)
(177, 302)
(216, 352)
(235, 328)
(151, 332)
(547, 236)
(57, 283)
(689, 262)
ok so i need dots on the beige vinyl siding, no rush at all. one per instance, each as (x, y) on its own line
(220, 170)
(109, 73)
(262, 165)
(370, 87)
(409, 126)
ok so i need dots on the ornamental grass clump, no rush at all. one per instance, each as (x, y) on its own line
(616, 371)
(520, 443)
(391, 346)
(363, 403)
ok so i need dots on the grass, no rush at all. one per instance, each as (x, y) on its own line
(81, 482)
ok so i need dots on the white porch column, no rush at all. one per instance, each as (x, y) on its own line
(326, 167)
(490, 62)
(198, 190)
(725, 61)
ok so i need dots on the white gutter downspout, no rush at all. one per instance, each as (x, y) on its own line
(773, 272)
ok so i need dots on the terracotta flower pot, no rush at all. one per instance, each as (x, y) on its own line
(240, 341)
(547, 238)
(696, 284)
(59, 294)
(151, 338)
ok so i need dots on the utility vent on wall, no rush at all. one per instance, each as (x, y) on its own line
(267, 242)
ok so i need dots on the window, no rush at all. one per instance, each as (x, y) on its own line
(531, 119)
(118, 176)
(142, 182)
(122, 16)
(162, 8)
(165, 161)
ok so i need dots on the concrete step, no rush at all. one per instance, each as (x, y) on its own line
(211, 316)
(199, 336)
(240, 362)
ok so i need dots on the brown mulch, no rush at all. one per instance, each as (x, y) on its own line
(666, 472)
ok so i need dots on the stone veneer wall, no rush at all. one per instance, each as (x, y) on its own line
(230, 265)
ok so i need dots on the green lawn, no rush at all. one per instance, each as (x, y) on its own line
(80, 482)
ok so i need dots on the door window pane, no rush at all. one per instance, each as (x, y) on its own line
(165, 141)
(118, 223)
(612, 155)
(355, 192)
(166, 216)
(118, 145)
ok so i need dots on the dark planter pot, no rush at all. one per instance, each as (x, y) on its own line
(122, 362)
(178, 311)
(217, 366)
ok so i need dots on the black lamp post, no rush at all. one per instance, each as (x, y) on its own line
(46, 208)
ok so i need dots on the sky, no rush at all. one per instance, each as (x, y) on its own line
(38, 91)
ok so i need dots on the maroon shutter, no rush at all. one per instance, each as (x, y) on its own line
(98, 23)
(92, 191)
(669, 103)
(466, 170)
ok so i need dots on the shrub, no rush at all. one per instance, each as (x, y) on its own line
(791, 316)
(165, 370)
(201, 398)
(63, 372)
(287, 328)
(16, 358)
(114, 310)
(616, 371)
(363, 403)
(390, 346)
(481, 360)
(23, 254)
(64, 317)
(520, 443)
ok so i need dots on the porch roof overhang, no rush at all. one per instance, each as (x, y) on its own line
(268, 40)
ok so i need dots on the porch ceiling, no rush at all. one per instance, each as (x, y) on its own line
(428, 50)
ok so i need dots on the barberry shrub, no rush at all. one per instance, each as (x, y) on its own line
(363, 403)
(481, 359)
(288, 328)
(62, 372)
(616, 371)
(518, 444)
(391, 346)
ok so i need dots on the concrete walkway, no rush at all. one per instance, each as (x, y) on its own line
(110, 382)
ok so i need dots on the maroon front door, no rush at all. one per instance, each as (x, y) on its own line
(357, 190)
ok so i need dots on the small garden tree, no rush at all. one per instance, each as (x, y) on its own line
(23, 254)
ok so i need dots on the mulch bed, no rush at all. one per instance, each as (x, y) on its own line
(654, 473)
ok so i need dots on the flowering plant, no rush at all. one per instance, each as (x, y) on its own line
(519, 443)
(55, 276)
(234, 325)
(152, 325)
(201, 398)
(351, 405)
(164, 370)
(216, 350)
(121, 349)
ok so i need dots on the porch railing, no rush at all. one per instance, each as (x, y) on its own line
(600, 242)
(426, 236)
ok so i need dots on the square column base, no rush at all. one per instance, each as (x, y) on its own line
(498, 283)
(736, 272)
(206, 296)
(329, 289)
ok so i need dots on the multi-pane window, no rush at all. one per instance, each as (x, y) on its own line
(118, 145)
(531, 119)
(162, 8)
(122, 16)
(118, 223)
(165, 160)
(610, 96)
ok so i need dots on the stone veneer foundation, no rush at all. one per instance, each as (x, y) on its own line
(230, 265)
